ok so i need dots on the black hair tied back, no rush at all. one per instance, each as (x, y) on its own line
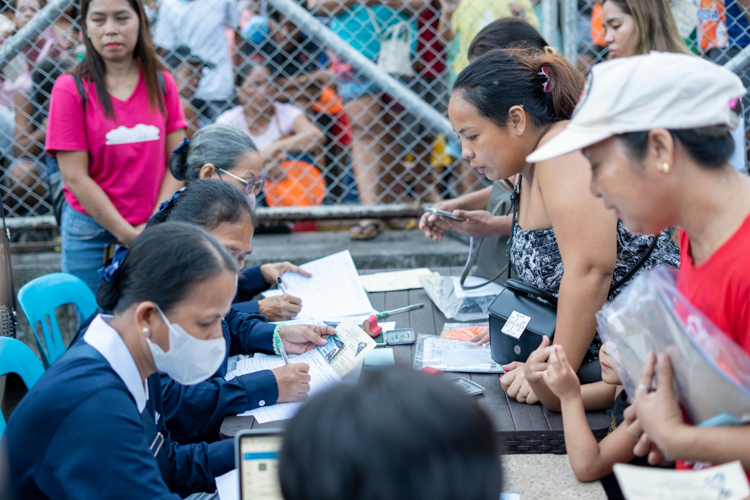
(178, 163)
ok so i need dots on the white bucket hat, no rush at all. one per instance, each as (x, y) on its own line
(640, 93)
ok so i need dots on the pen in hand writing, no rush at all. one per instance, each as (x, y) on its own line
(284, 356)
(281, 285)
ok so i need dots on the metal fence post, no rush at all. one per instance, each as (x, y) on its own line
(550, 22)
(570, 30)
(321, 33)
(740, 61)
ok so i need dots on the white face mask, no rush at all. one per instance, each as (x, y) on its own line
(189, 360)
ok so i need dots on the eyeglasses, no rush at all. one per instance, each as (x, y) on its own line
(253, 186)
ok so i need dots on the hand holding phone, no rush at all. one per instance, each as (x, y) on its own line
(443, 213)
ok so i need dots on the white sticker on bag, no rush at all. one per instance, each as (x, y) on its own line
(516, 324)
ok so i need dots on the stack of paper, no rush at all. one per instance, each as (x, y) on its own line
(397, 280)
(334, 291)
(322, 373)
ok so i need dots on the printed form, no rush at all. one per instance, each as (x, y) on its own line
(321, 376)
(334, 291)
(322, 373)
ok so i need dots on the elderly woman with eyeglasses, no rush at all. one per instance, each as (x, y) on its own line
(223, 152)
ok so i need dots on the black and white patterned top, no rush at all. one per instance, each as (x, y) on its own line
(535, 258)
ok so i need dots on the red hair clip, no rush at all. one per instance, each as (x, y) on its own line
(548, 85)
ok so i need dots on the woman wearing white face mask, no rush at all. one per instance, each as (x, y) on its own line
(223, 152)
(92, 426)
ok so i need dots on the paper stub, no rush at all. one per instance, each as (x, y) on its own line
(334, 345)
(396, 280)
(516, 324)
(724, 482)
(356, 346)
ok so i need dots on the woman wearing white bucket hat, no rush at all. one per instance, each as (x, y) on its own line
(656, 130)
(504, 104)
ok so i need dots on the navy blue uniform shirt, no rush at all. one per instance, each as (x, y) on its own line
(79, 434)
(249, 285)
(194, 412)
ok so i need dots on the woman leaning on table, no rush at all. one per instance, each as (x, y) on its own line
(504, 105)
(112, 125)
(659, 156)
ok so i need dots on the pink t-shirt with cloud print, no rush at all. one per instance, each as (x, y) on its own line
(127, 157)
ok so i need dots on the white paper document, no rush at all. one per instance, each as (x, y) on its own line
(334, 291)
(488, 289)
(356, 346)
(321, 373)
(724, 482)
(396, 280)
(228, 485)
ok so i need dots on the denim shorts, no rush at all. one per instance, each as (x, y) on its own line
(83, 242)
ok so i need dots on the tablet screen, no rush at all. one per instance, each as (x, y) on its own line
(259, 467)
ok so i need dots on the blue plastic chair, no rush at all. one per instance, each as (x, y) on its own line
(40, 297)
(16, 358)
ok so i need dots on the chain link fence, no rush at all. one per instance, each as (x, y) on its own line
(332, 129)
(714, 29)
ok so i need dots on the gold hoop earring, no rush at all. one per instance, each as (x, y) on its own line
(665, 168)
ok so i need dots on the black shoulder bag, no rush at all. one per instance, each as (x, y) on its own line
(522, 314)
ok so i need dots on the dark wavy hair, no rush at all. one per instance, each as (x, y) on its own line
(92, 67)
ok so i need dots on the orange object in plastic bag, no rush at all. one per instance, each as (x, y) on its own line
(303, 186)
(598, 35)
(464, 333)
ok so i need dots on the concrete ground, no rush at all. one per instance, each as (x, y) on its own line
(546, 477)
(391, 249)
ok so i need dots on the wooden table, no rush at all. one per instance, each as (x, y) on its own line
(522, 428)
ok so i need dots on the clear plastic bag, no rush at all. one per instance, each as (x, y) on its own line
(712, 372)
(453, 355)
(470, 308)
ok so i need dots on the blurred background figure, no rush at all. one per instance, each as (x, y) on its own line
(187, 69)
(375, 452)
(201, 26)
(279, 130)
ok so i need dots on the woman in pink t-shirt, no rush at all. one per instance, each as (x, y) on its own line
(111, 126)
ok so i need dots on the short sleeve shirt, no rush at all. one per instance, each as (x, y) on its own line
(201, 25)
(127, 157)
(281, 124)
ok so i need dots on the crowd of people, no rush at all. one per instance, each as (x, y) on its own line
(165, 145)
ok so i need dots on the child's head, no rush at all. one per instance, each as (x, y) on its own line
(609, 375)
